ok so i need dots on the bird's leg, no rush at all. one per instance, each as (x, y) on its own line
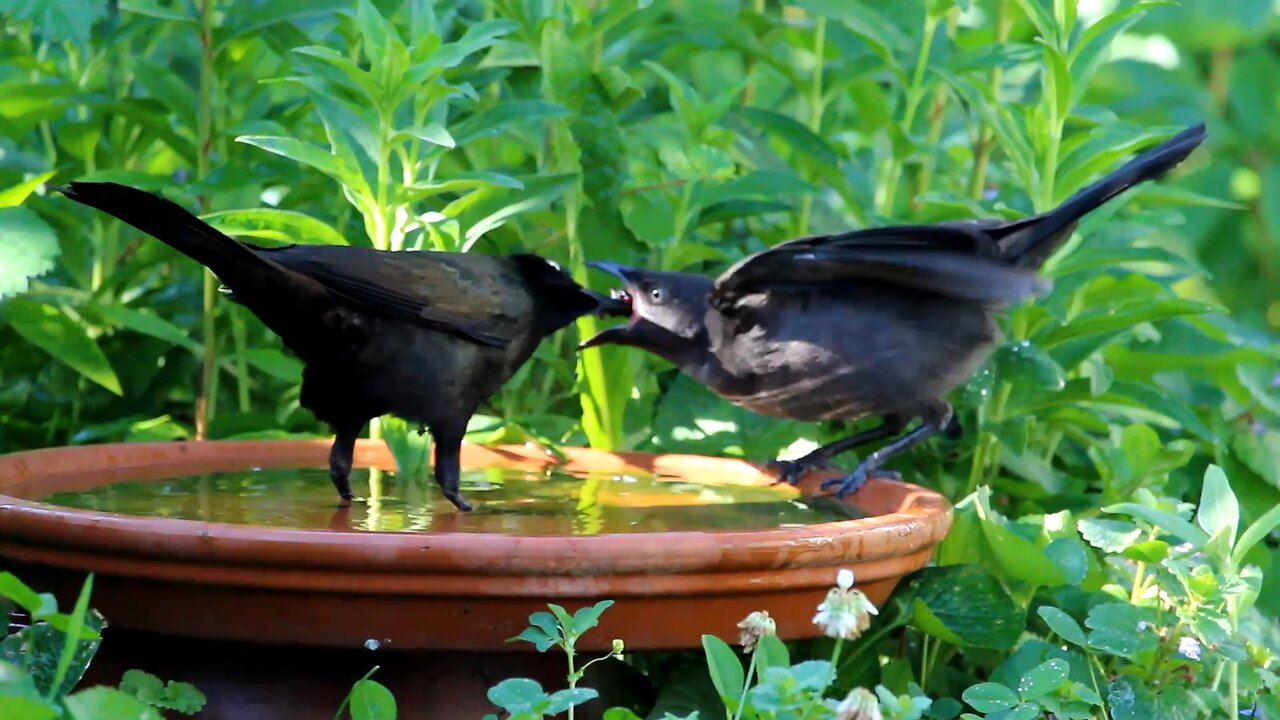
(448, 469)
(792, 470)
(936, 420)
(341, 457)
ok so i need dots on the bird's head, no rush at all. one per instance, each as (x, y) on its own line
(667, 310)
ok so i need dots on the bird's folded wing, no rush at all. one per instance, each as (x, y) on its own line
(471, 297)
(954, 261)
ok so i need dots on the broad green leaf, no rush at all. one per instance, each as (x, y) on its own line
(1112, 536)
(971, 604)
(1025, 363)
(1164, 520)
(1063, 624)
(100, 703)
(148, 688)
(36, 604)
(57, 20)
(434, 133)
(726, 671)
(1121, 629)
(370, 700)
(18, 194)
(14, 707)
(29, 249)
(1040, 17)
(477, 37)
(270, 12)
(1043, 679)
(1219, 508)
(562, 700)
(275, 363)
(1254, 534)
(1017, 556)
(496, 119)
(145, 322)
(286, 226)
(52, 330)
(411, 449)
(516, 694)
(772, 652)
(588, 617)
(305, 153)
(990, 697)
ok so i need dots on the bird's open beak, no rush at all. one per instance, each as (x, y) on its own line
(619, 304)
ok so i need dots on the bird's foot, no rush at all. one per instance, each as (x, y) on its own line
(853, 481)
(456, 498)
(791, 471)
(344, 500)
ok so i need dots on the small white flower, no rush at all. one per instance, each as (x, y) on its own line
(1189, 647)
(859, 704)
(844, 579)
(755, 626)
(846, 612)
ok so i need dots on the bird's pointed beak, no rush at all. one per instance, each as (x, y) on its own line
(619, 304)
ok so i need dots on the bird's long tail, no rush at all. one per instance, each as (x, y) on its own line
(1031, 241)
(168, 222)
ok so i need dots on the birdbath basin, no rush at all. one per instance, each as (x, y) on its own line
(228, 563)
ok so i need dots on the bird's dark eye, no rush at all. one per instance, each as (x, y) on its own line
(657, 294)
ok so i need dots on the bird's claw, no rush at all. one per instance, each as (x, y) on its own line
(791, 471)
(458, 501)
(853, 481)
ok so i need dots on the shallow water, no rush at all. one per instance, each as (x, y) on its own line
(506, 501)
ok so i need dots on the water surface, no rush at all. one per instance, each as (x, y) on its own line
(506, 501)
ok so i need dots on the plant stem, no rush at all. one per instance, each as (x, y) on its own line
(573, 675)
(815, 110)
(1233, 670)
(205, 402)
(1139, 574)
(987, 451)
(746, 685)
(986, 134)
(893, 174)
(835, 664)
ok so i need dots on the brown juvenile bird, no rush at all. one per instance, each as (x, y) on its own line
(426, 336)
(879, 322)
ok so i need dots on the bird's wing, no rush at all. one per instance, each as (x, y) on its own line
(955, 260)
(475, 296)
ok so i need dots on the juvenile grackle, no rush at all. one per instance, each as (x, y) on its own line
(882, 322)
(426, 336)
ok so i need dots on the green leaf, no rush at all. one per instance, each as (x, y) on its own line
(725, 669)
(1063, 624)
(73, 635)
(1219, 508)
(1117, 629)
(516, 694)
(588, 617)
(434, 133)
(358, 79)
(52, 330)
(1043, 679)
(1254, 534)
(477, 37)
(29, 249)
(370, 700)
(36, 604)
(13, 707)
(495, 120)
(772, 652)
(1018, 557)
(270, 12)
(1024, 363)
(179, 696)
(302, 152)
(58, 19)
(1044, 22)
(287, 226)
(275, 363)
(970, 604)
(411, 450)
(101, 703)
(989, 697)
(145, 322)
(1165, 520)
(562, 700)
(18, 194)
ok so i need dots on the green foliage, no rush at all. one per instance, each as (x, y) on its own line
(681, 136)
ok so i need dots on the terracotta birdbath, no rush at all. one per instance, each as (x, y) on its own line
(276, 622)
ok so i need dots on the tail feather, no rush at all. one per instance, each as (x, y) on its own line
(1031, 241)
(166, 221)
(287, 302)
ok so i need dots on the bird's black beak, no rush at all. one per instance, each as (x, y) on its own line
(618, 304)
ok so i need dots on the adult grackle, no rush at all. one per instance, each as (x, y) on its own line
(882, 322)
(426, 336)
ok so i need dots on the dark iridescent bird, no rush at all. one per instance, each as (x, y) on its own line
(882, 322)
(426, 336)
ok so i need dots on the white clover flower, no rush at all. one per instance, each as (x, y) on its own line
(755, 626)
(846, 612)
(859, 704)
(1189, 647)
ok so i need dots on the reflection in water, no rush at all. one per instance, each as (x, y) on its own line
(507, 501)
